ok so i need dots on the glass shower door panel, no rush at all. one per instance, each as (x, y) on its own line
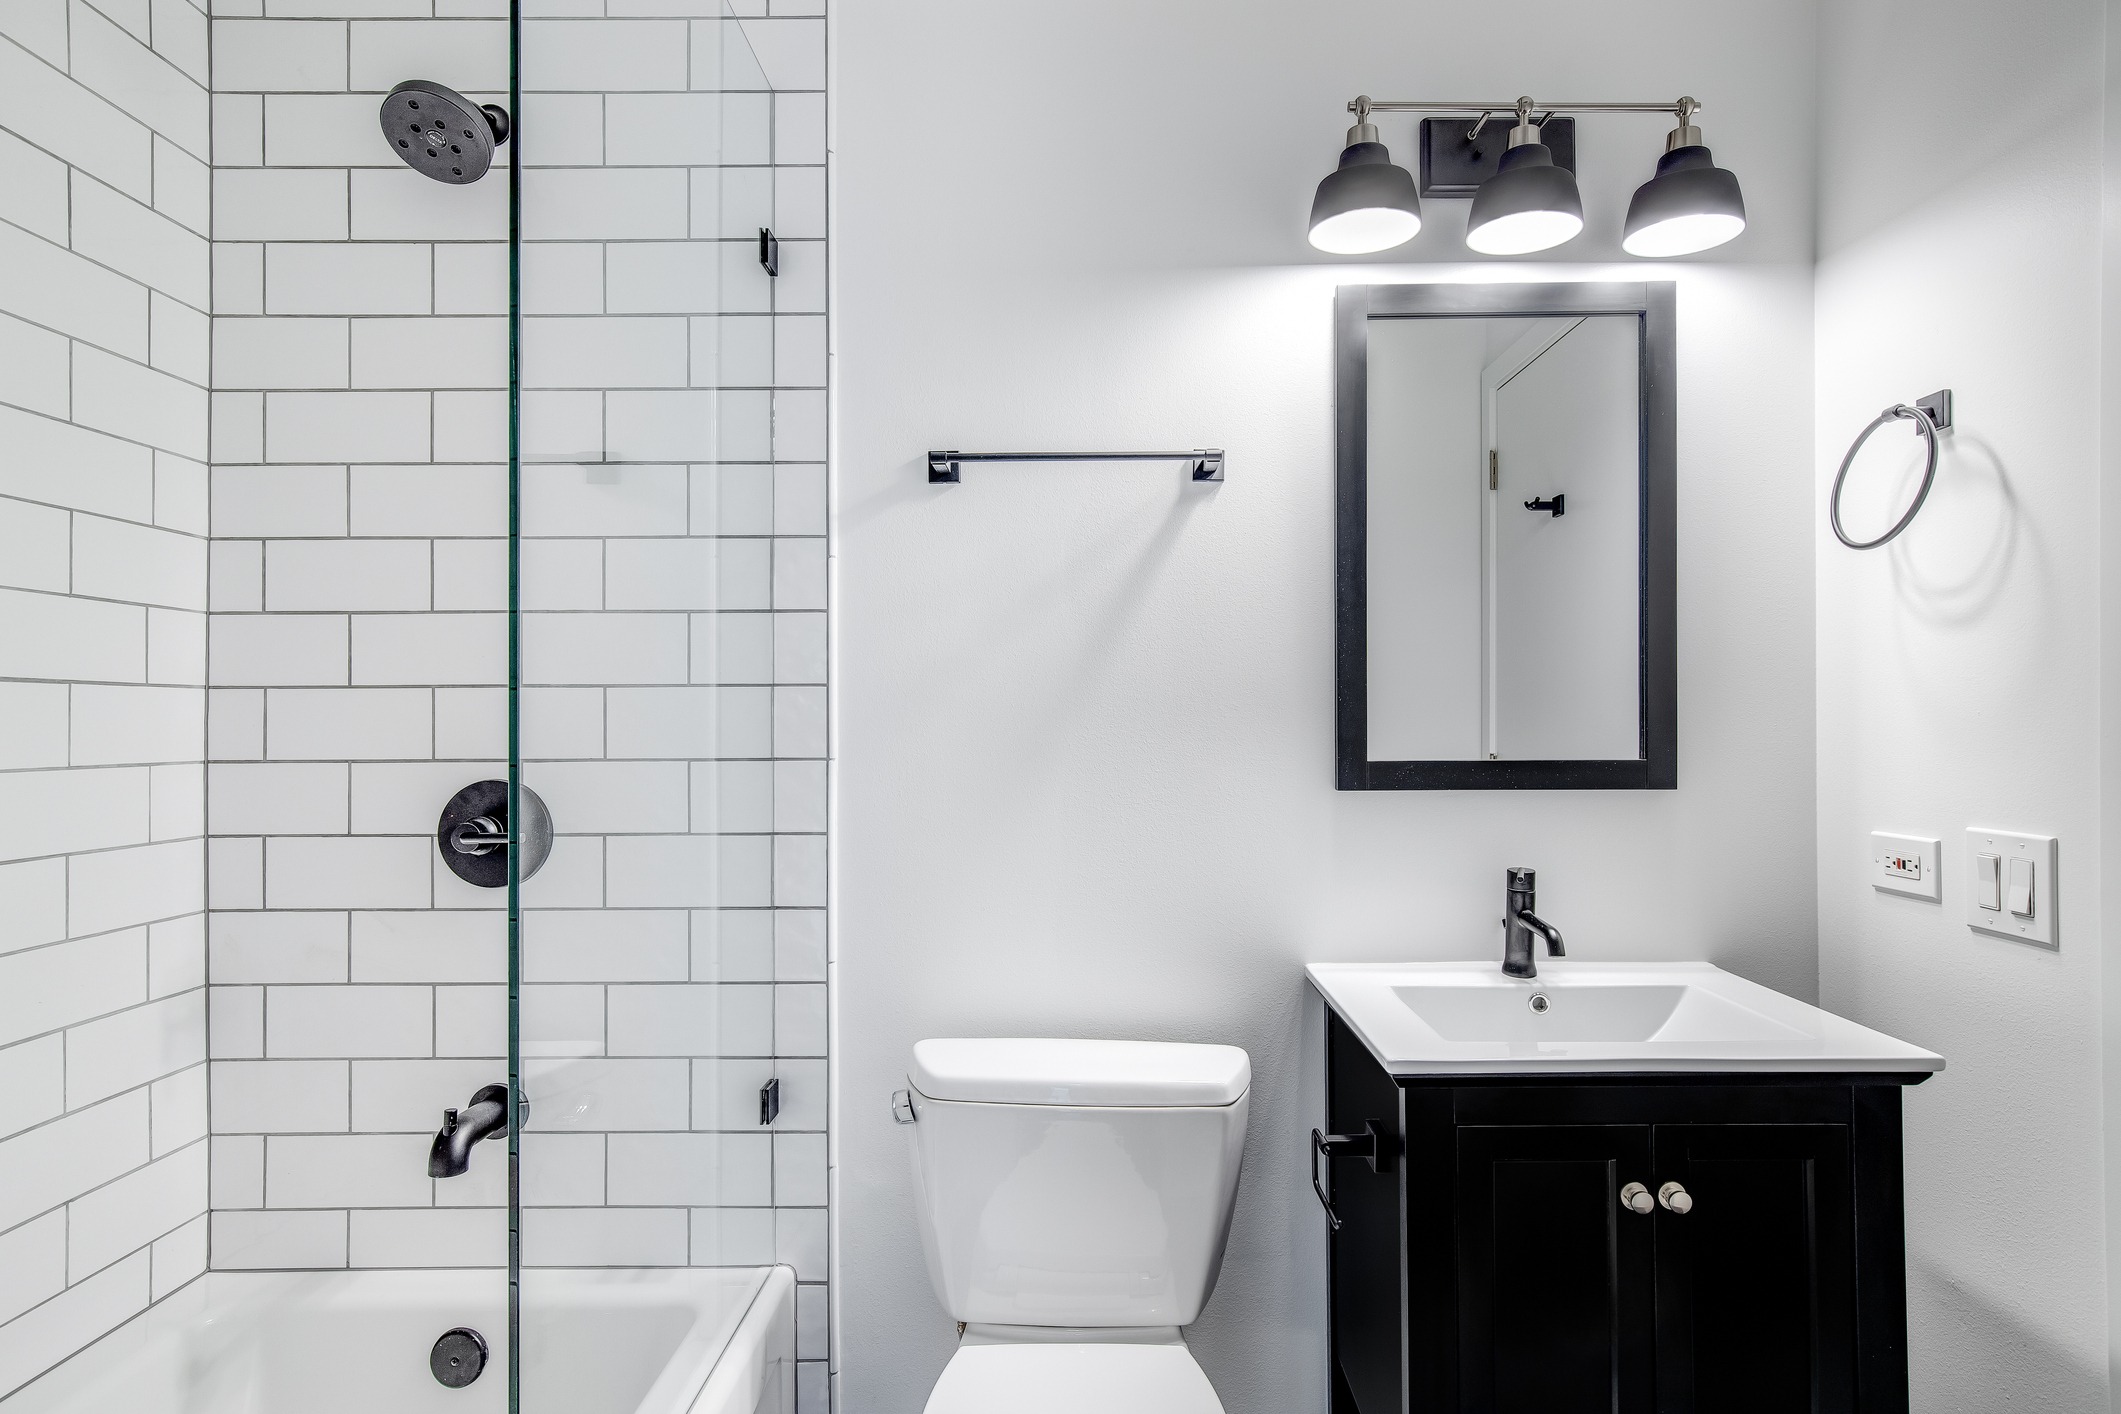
(652, 723)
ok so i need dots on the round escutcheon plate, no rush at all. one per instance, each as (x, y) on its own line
(458, 1357)
(473, 833)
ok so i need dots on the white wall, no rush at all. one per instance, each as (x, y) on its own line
(1086, 732)
(1958, 668)
(103, 363)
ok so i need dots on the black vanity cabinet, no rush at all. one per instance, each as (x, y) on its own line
(1491, 1262)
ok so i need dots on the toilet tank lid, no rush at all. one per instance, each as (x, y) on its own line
(1027, 1071)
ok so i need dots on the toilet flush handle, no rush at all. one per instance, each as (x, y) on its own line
(902, 1106)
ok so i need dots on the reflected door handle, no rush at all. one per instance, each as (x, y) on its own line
(1676, 1199)
(1553, 503)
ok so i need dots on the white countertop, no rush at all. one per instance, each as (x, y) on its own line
(1467, 1018)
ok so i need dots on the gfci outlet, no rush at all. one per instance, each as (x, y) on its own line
(2010, 886)
(1905, 864)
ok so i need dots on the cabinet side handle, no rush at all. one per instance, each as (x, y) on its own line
(1377, 1144)
(1319, 1145)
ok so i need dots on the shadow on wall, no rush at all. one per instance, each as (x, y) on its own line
(1939, 142)
(1070, 600)
(908, 484)
(2041, 1374)
(1278, 1228)
(1957, 573)
(1058, 567)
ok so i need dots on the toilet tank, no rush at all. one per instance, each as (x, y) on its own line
(1076, 1183)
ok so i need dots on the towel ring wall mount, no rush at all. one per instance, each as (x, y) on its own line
(1931, 415)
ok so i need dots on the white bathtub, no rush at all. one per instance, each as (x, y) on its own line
(675, 1341)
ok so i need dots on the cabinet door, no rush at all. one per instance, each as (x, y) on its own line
(1556, 1300)
(1756, 1281)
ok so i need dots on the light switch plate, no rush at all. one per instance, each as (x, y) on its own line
(2039, 851)
(1905, 864)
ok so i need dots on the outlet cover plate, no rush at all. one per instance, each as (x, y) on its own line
(1906, 864)
(2040, 929)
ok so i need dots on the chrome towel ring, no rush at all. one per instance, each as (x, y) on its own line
(1930, 415)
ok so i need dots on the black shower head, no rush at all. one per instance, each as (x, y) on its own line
(442, 133)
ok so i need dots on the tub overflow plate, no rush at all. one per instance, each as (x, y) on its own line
(459, 1357)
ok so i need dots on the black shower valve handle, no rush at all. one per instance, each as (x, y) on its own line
(474, 838)
(481, 835)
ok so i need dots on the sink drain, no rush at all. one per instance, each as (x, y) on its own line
(458, 1357)
(1539, 1003)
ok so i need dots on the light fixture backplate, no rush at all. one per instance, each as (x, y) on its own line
(1451, 166)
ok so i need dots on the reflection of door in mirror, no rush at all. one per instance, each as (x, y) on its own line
(1565, 601)
(1497, 630)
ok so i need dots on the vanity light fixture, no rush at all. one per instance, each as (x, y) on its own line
(1530, 202)
(1368, 204)
(1691, 204)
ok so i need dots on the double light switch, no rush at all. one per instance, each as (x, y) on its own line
(2013, 885)
(1989, 871)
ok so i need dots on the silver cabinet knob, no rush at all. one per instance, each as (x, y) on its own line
(1675, 1197)
(1636, 1199)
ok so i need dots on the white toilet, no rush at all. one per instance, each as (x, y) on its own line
(1074, 1198)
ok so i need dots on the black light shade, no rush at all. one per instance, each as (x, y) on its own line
(1530, 204)
(1367, 205)
(1691, 204)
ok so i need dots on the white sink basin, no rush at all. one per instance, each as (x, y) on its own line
(1424, 1018)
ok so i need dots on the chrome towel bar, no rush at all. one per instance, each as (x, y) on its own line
(1206, 462)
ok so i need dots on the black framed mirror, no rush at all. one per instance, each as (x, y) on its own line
(1505, 538)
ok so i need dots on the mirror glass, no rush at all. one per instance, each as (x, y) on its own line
(1505, 538)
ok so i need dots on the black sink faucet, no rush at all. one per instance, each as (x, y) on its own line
(1520, 923)
(486, 1117)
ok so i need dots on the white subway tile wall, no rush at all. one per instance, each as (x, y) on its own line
(674, 581)
(104, 270)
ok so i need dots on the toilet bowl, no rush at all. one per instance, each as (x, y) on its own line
(1074, 1202)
